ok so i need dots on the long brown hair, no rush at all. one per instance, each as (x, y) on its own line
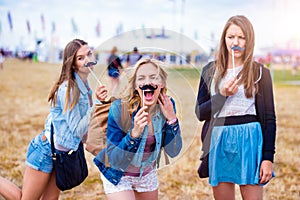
(68, 74)
(248, 73)
(132, 96)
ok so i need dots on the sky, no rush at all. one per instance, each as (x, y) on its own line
(274, 21)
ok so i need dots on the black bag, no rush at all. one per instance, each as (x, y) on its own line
(203, 168)
(71, 168)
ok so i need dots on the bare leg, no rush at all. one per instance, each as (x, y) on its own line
(224, 191)
(52, 191)
(124, 195)
(34, 184)
(9, 190)
(153, 195)
(251, 192)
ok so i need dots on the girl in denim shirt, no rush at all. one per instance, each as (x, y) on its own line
(132, 155)
(71, 105)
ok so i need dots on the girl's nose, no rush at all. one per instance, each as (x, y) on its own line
(235, 41)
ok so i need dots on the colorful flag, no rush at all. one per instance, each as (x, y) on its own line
(10, 21)
(28, 26)
(98, 29)
(74, 26)
(43, 22)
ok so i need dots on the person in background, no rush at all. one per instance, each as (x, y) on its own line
(71, 107)
(114, 69)
(235, 99)
(2, 59)
(133, 57)
(133, 155)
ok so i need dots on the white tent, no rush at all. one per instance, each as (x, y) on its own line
(154, 39)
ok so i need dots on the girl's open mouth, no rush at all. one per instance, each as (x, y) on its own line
(148, 94)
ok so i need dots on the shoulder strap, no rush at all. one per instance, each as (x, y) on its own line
(52, 142)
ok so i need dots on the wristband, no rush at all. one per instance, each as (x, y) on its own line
(173, 121)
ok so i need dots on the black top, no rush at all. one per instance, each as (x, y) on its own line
(114, 62)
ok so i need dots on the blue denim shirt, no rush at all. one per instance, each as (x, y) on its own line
(71, 126)
(123, 150)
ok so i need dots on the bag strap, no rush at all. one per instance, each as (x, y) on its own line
(52, 143)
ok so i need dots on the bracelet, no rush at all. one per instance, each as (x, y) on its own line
(172, 121)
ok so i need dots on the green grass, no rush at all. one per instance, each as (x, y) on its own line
(280, 76)
(285, 75)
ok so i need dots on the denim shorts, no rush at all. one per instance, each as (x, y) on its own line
(39, 154)
(147, 183)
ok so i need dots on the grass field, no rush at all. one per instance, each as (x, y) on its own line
(24, 88)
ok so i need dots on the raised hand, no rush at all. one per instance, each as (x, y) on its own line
(101, 93)
(230, 87)
(140, 121)
(166, 107)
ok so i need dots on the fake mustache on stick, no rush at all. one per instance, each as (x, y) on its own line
(237, 48)
(150, 87)
(90, 64)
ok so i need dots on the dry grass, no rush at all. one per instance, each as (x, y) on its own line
(24, 88)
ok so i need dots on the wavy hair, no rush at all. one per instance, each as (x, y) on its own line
(248, 73)
(68, 74)
(132, 95)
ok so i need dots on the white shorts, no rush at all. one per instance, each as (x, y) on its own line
(146, 183)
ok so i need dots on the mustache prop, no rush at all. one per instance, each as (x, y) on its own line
(90, 64)
(150, 87)
(237, 48)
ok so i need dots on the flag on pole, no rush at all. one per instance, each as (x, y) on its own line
(28, 26)
(98, 29)
(10, 21)
(74, 26)
(163, 34)
(53, 27)
(196, 35)
(119, 29)
(43, 22)
(144, 30)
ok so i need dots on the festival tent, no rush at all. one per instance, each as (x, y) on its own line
(150, 41)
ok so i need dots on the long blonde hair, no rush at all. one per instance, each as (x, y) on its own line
(132, 95)
(248, 72)
(68, 74)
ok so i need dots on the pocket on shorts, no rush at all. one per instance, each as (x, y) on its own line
(39, 154)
